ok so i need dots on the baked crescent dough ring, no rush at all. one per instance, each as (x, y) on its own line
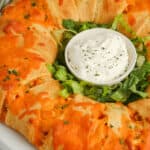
(29, 99)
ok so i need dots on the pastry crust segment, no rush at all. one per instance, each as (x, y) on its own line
(29, 96)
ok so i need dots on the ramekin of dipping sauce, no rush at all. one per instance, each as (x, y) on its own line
(100, 56)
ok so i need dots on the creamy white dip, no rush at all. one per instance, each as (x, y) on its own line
(97, 57)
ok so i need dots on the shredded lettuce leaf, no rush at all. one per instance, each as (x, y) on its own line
(130, 89)
(135, 83)
(81, 26)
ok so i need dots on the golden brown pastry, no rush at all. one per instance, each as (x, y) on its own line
(108, 9)
(29, 96)
(86, 9)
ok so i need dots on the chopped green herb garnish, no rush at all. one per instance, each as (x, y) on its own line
(64, 106)
(46, 17)
(13, 71)
(27, 91)
(27, 16)
(121, 141)
(111, 126)
(66, 122)
(28, 28)
(6, 78)
(33, 4)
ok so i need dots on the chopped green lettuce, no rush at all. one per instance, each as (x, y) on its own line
(133, 84)
(81, 26)
(50, 68)
(74, 86)
(130, 89)
(64, 93)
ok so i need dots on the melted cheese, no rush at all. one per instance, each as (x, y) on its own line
(52, 122)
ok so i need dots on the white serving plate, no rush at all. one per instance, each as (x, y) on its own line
(11, 140)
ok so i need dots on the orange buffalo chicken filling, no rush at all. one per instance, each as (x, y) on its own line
(70, 128)
(15, 57)
(30, 11)
(136, 6)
